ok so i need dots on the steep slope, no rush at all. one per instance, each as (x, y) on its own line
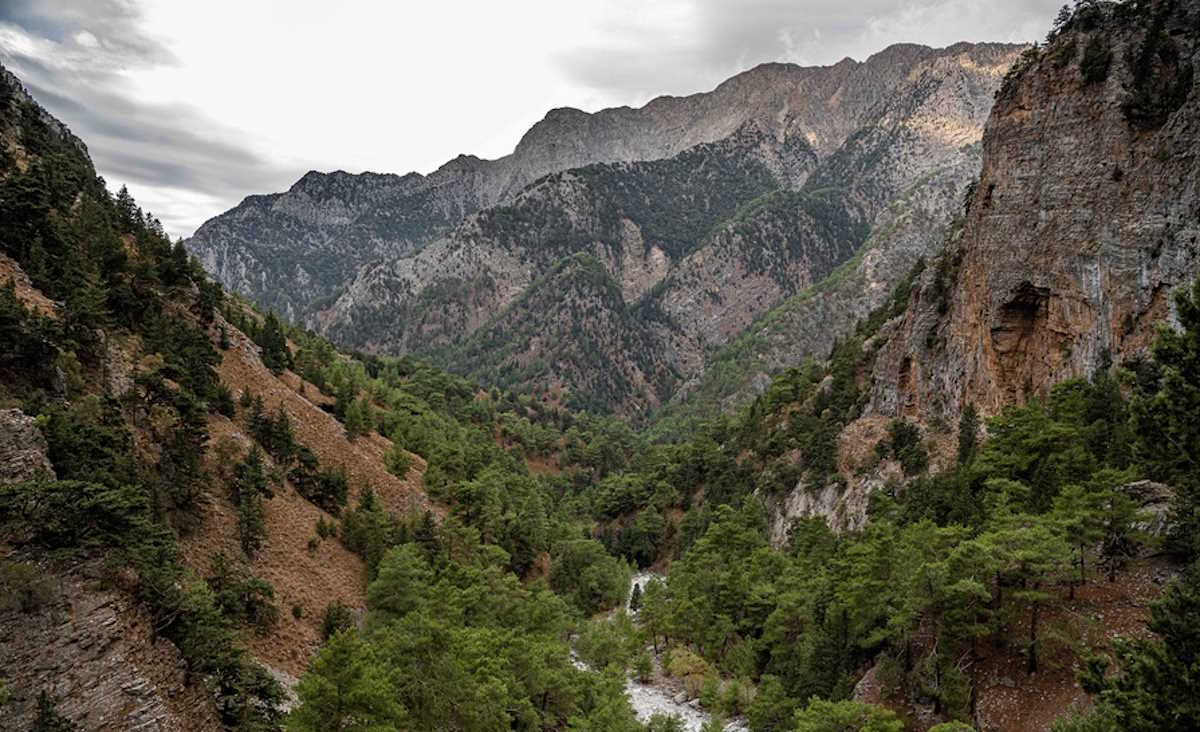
(1083, 221)
(630, 215)
(290, 251)
(571, 331)
(806, 324)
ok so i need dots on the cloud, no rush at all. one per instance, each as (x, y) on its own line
(691, 45)
(73, 58)
(212, 110)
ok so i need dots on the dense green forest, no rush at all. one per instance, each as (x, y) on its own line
(507, 611)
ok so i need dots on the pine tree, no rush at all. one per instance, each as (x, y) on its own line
(635, 598)
(968, 433)
(1077, 510)
(247, 490)
(354, 420)
(273, 345)
(1166, 420)
(346, 688)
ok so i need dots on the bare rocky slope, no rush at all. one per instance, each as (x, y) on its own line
(700, 243)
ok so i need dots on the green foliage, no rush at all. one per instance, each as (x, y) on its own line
(603, 642)
(273, 344)
(462, 643)
(346, 688)
(46, 719)
(772, 710)
(1097, 57)
(243, 597)
(247, 489)
(846, 716)
(326, 489)
(335, 618)
(904, 443)
(663, 723)
(588, 576)
(369, 530)
(635, 598)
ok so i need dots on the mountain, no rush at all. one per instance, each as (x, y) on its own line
(291, 250)
(700, 243)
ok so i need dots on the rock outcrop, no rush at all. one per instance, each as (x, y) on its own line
(23, 449)
(1083, 222)
(94, 654)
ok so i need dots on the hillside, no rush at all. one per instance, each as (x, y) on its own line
(194, 499)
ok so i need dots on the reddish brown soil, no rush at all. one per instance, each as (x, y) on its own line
(1009, 699)
(310, 579)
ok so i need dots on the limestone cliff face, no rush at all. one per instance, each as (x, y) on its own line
(1083, 221)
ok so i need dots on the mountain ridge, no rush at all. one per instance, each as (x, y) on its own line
(238, 247)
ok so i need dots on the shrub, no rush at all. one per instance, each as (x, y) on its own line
(398, 461)
(326, 529)
(904, 438)
(23, 588)
(223, 401)
(1097, 58)
(689, 668)
(326, 489)
(336, 617)
(242, 597)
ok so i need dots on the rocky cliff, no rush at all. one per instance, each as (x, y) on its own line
(1083, 221)
(293, 250)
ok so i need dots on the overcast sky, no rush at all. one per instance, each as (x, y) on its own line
(194, 105)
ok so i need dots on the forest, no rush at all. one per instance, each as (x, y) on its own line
(508, 608)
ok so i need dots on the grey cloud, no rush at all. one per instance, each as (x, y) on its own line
(114, 24)
(170, 151)
(727, 36)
